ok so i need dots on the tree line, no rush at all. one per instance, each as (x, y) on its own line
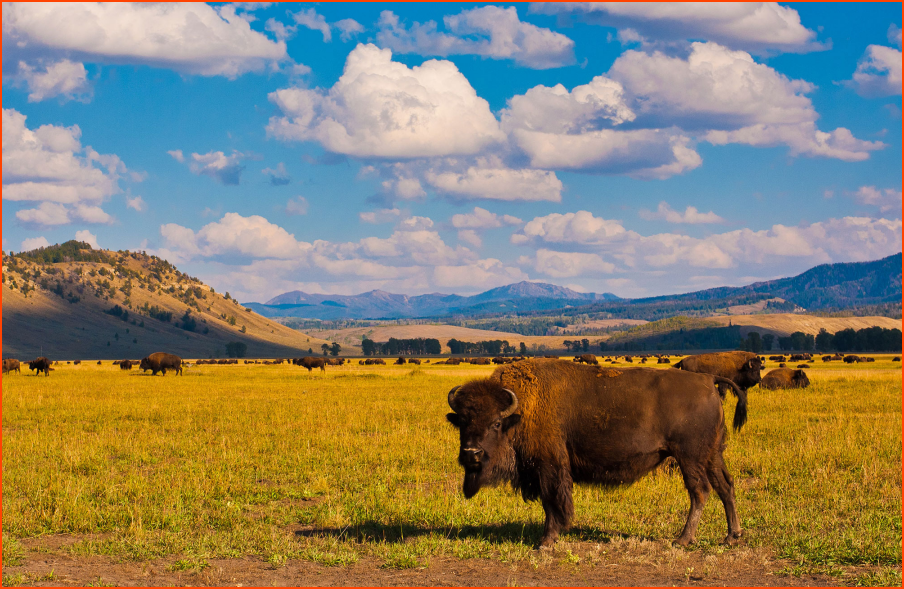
(395, 347)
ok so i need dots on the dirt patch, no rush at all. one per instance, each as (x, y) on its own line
(627, 563)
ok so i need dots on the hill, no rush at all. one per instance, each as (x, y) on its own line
(71, 302)
(378, 304)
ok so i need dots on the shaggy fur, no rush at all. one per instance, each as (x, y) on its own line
(742, 368)
(785, 378)
(586, 424)
(161, 362)
(41, 364)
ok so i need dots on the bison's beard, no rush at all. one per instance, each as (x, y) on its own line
(472, 483)
(498, 471)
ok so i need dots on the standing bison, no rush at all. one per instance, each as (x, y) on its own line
(785, 378)
(40, 364)
(310, 362)
(586, 359)
(742, 368)
(161, 362)
(543, 425)
(10, 364)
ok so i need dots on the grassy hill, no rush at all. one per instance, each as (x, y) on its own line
(71, 302)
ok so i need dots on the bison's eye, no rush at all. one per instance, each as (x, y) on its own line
(497, 425)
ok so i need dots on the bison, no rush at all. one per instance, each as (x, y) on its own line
(851, 358)
(742, 368)
(161, 362)
(10, 364)
(663, 360)
(41, 364)
(785, 378)
(127, 365)
(311, 362)
(543, 425)
(586, 359)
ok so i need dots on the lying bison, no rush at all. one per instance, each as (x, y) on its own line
(40, 364)
(586, 359)
(543, 425)
(161, 362)
(785, 378)
(10, 364)
(742, 368)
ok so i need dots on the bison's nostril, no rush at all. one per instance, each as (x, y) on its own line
(471, 454)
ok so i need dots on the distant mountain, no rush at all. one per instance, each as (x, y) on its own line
(378, 304)
(828, 286)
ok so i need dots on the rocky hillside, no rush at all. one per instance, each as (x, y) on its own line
(69, 301)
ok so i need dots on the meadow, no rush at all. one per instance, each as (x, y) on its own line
(274, 466)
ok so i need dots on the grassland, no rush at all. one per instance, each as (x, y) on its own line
(275, 466)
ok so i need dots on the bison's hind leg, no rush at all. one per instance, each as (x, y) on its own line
(724, 486)
(697, 485)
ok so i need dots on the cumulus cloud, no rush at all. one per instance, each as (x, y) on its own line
(489, 178)
(316, 22)
(87, 237)
(225, 169)
(803, 139)
(234, 234)
(33, 243)
(886, 199)
(193, 38)
(381, 216)
(489, 31)
(567, 264)
(297, 206)
(278, 176)
(483, 219)
(470, 237)
(879, 70)
(756, 26)
(176, 154)
(382, 108)
(480, 274)
(415, 223)
(136, 203)
(690, 215)
(65, 79)
(348, 28)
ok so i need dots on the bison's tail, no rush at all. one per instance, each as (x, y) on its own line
(740, 415)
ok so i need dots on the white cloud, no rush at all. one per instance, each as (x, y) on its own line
(382, 108)
(879, 71)
(278, 176)
(803, 139)
(348, 28)
(92, 214)
(480, 274)
(297, 206)
(225, 169)
(483, 219)
(886, 199)
(316, 22)
(381, 216)
(415, 224)
(489, 31)
(33, 243)
(470, 237)
(580, 227)
(234, 234)
(690, 215)
(753, 26)
(136, 203)
(47, 214)
(65, 79)
(567, 264)
(490, 179)
(404, 188)
(87, 237)
(193, 38)
(894, 34)
(176, 154)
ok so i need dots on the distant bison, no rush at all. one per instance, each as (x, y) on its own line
(742, 368)
(161, 362)
(10, 364)
(663, 360)
(41, 364)
(851, 358)
(785, 378)
(543, 425)
(127, 365)
(896, 359)
(586, 359)
(415, 361)
(311, 362)
(400, 361)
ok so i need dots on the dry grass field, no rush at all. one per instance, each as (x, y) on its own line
(784, 324)
(269, 475)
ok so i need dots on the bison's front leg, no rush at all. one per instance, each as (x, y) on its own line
(555, 494)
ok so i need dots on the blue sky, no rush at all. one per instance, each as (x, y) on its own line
(639, 149)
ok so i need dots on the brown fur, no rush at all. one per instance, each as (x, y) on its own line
(585, 424)
(10, 364)
(161, 362)
(785, 378)
(41, 364)
(743, 368)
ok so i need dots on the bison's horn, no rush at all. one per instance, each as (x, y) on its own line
(452, 394)
(513, 407)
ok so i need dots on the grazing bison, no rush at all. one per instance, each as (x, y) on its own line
(586, 359)
(851, 358)
(896, 359)
(161, 362)
(663, 360)
(127, 365)
(311, 362)
(415, 361)
(785, 378)
(400, 361)
(10, 364)
(41, 364)
(743, 368)
(543, 425)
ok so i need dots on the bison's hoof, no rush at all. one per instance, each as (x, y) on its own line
(547, 543)
(682, 541)
(732, 538)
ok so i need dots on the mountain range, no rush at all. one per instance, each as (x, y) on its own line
(828, 286)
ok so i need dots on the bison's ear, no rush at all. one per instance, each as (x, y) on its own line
(511, 421)
(754, 365)
(454, 419)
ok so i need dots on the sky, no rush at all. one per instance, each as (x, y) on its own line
(639, 149)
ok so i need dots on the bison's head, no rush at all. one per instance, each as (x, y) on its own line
(484, 415)
(800, 379)
(145, 364)
(749, 374)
